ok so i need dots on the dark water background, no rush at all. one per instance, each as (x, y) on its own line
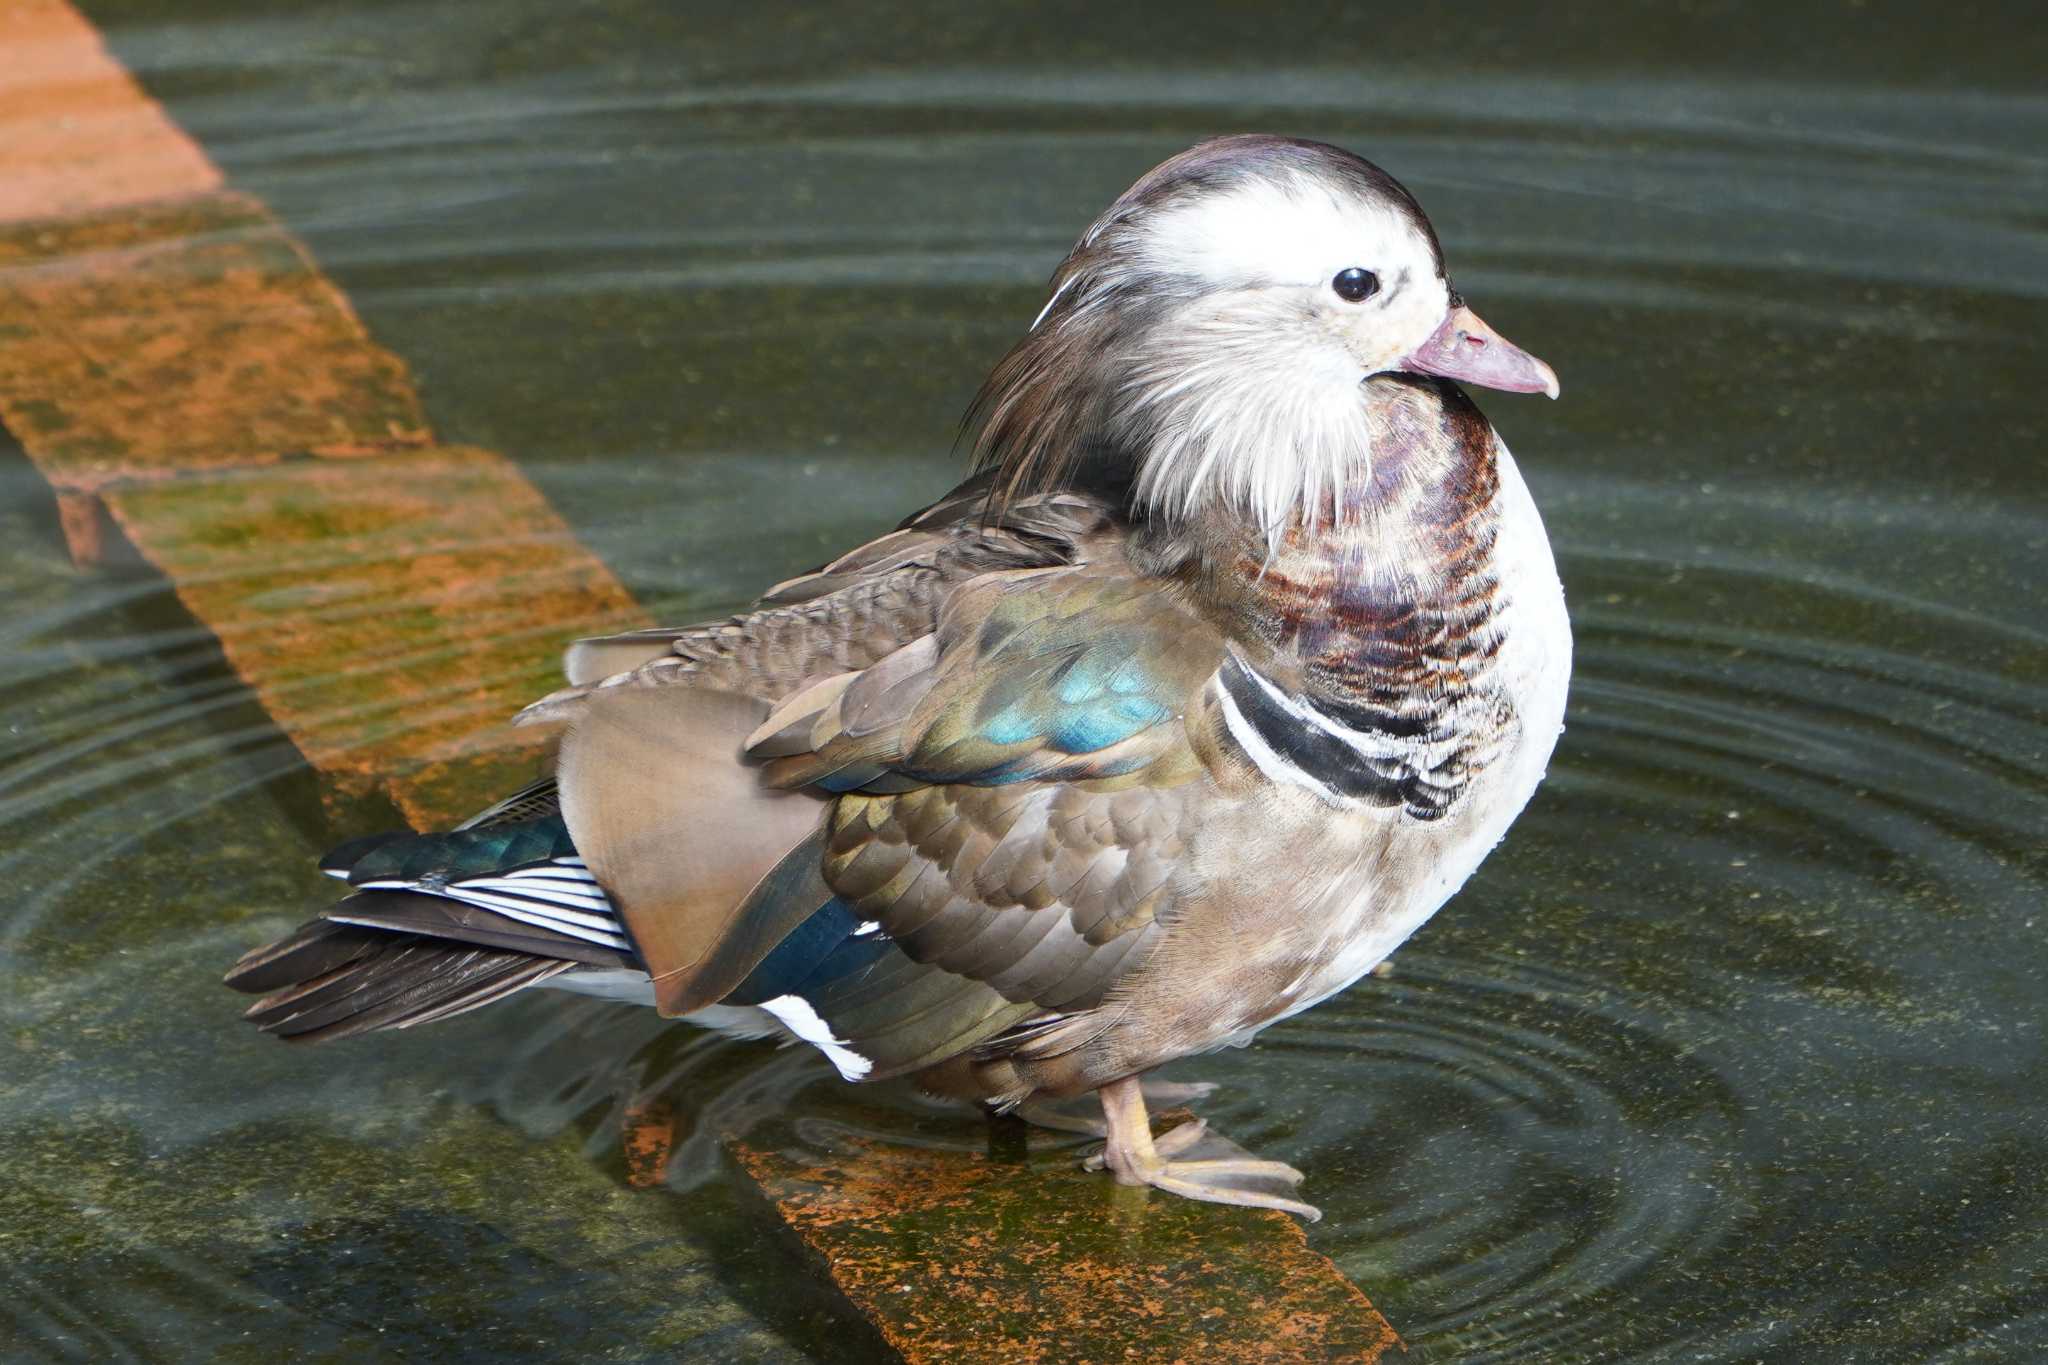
(1734, 1051)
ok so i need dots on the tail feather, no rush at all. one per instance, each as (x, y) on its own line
(455, 855)
(438, 917)
(480, 993)
(450, 922)
(401, 982)
(342, 858)
(316, 948)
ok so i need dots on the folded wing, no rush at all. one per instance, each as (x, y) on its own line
(1011, 791)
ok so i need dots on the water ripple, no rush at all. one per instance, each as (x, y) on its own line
(1739, 1033)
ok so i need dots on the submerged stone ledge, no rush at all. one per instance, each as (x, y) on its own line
(957, 1256)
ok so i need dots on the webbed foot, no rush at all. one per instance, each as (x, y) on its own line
(1189, 1160)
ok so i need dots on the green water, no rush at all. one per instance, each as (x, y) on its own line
(1734, 1051)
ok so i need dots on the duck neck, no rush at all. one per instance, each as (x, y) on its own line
(1383, 602)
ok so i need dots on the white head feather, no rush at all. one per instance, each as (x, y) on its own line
(1202, 305)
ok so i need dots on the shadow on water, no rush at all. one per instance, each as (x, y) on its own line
(1734, 1049)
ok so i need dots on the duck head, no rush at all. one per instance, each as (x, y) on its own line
(1212, 331)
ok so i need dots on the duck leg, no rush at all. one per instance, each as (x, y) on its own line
(1189, 1160)
(1080, 1114)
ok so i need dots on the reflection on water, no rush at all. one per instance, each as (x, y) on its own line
(1732, 1052)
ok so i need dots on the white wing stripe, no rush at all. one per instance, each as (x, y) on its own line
(1270, 763)
(478, 892)
(526, 914)
(603, 929)
(1370, 745)
(573, 895)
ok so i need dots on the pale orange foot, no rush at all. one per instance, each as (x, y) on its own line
(1189, 1160)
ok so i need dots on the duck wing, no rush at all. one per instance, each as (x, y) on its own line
(1008, 795)
(698, 855)
(848, 614)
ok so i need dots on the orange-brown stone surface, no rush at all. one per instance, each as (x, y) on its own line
(390, 612)
(76, 133)
(957, 1256)
(147, 342)
(171, 355)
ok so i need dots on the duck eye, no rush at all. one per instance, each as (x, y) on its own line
(1355, 285)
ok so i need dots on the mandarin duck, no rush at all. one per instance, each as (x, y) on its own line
(1238, 653)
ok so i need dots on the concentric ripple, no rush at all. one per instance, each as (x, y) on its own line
(1733, 1051)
